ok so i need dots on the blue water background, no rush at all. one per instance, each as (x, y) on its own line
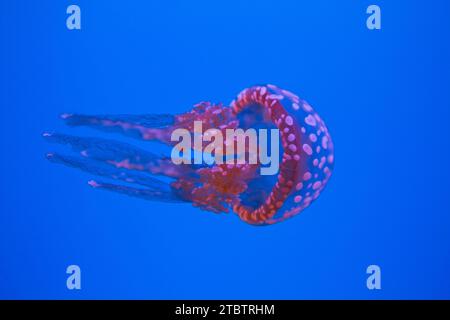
(383, 94)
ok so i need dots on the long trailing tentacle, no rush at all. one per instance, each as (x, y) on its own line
(157, 127)
(147, 127)
(121, 155)
(155, 189)
(146, 194)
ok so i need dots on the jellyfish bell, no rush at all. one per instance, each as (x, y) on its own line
(307, 159)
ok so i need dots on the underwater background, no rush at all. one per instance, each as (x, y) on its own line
(384, 95)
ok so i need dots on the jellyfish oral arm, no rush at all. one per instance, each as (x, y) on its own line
(230, 150)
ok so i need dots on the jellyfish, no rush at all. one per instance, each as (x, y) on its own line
(306, 159)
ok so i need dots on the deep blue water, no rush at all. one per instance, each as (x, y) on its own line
(383, 94)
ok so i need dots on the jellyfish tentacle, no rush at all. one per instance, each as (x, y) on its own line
(147, 127)
(144, 120)
(155, 189)
(101, 169)
(147, 194)
(120, 155)
(154, 127)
